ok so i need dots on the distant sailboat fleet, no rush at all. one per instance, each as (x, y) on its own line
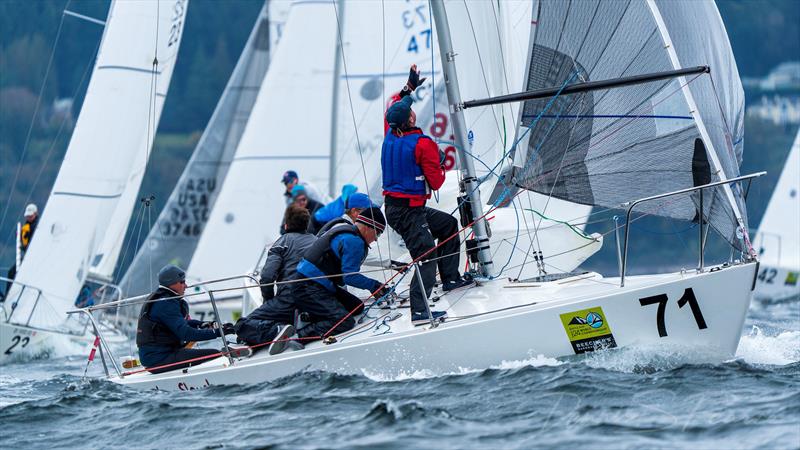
(610, 105)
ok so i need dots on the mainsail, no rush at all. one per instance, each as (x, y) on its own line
(289, 128)
(177, 230)
(607, 147)
(778, 237)
(115, 128)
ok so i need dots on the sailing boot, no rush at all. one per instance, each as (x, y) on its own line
(423, 318)
(463, 281)
(279, 342)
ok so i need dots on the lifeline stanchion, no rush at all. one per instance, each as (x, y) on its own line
(418, 274)
(221, 328)
(91, 356)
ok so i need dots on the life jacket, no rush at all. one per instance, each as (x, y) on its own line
(337, 221)
(321, 255)
(401, 173)
(26, 233)
(152, 333)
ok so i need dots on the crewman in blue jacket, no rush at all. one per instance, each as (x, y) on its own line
(165, 329)
(332, 262)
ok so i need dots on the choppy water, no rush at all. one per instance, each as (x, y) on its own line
(630, 398)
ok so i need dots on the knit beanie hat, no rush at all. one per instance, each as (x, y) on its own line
(372, 217)
(170, 274)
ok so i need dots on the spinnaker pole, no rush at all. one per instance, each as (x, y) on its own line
(469, 184)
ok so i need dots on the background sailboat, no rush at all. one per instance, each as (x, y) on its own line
(178, 228)
(778, 236)
(115, 128)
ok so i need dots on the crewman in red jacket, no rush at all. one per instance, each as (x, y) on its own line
(412, 166)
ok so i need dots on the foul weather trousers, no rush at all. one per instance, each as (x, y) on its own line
(419, 226)
(325, 309)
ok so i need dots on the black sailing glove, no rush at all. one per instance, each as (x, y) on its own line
(228, 328)
(414, 81)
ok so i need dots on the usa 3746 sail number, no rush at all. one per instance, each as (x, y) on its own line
(661, 300)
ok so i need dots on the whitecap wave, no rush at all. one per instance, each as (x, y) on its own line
(759, 347)
(532, 361)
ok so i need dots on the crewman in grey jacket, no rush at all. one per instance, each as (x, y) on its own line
(272, 320)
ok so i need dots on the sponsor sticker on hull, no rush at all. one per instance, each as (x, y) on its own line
(588, 330)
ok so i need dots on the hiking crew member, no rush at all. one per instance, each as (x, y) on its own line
(355, 204)
(24, 240)
(412, 165)
(164, 327)
(332, 262)
(300, 198)
(272, 320)
(335, 209)
(29, 227)
(290, 179)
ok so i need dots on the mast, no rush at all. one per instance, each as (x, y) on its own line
(337, 69)
(469, 185)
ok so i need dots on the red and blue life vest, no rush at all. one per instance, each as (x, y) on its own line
(401, 173)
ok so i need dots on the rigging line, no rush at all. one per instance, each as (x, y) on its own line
(727, 128)
(149, 254)
(564, 222)
(558, 173)
(352, 111)
(502, 55)
(483, 69)
(139, 217)
(25, 147)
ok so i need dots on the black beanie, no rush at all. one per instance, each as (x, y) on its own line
(373, 217)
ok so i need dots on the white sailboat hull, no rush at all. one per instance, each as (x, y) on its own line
(22, 343)
(501, 321)
(777, 283)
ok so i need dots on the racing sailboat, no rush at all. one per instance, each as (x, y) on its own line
(108, 148)
(629, 105)
(778, 236)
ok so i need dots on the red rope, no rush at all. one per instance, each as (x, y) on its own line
(442, 242)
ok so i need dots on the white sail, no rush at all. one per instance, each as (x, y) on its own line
(778, 237)
(115, 128)
(178, 228)
(105, 260)
(289, 128)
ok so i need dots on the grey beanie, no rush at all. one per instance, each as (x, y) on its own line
(170, 274)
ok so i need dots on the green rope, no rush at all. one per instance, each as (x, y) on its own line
(571, 227)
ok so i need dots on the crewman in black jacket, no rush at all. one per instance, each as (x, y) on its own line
(165, 329)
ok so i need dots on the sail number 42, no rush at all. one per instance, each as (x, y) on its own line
(661, 300)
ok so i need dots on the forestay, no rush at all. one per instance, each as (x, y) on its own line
(778, 237)
(289, 128)
(177, 230)
(115, 128)
(616, 145)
